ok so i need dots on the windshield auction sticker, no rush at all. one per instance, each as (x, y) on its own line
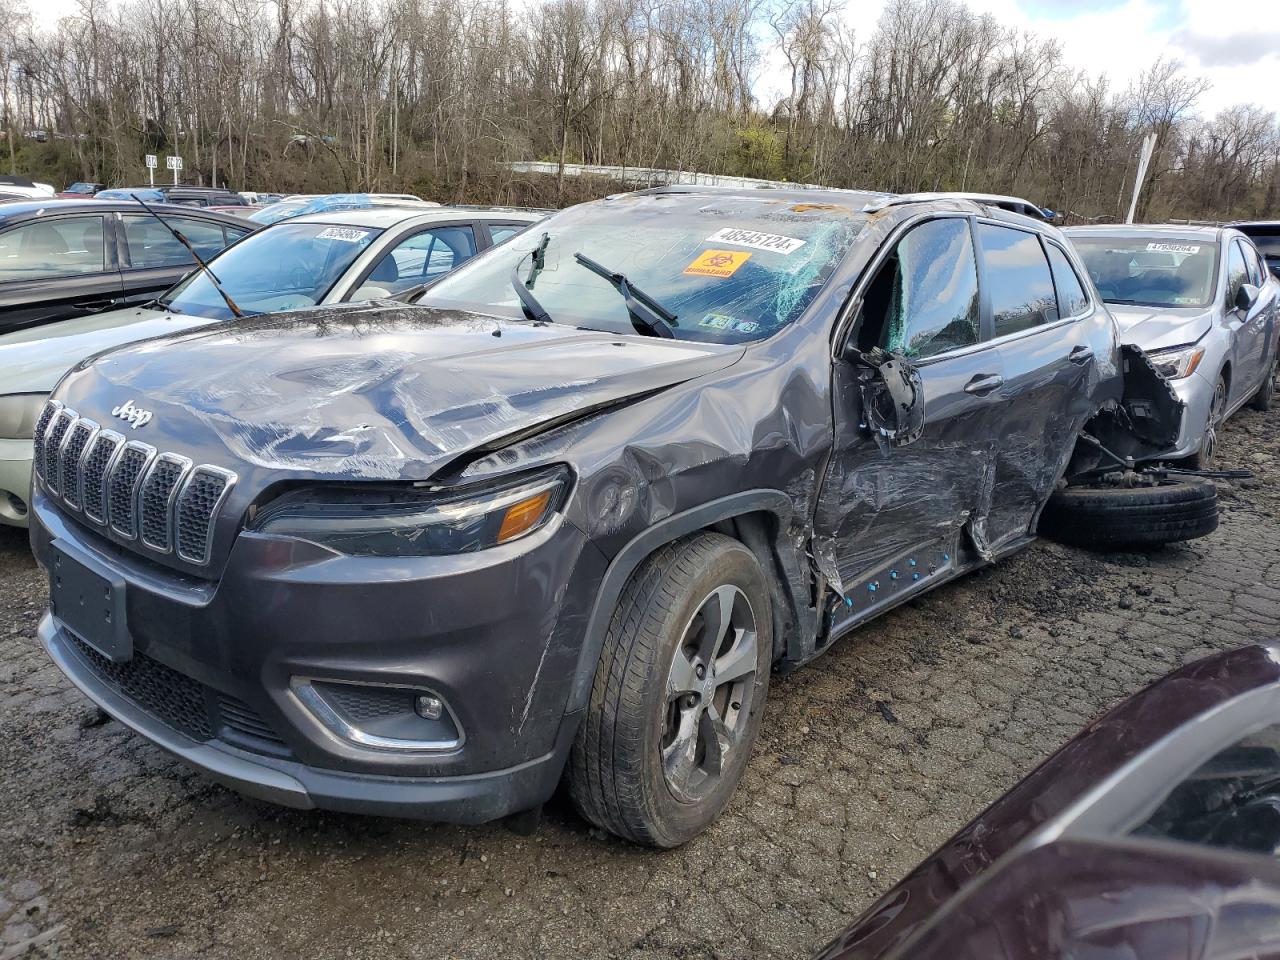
(1173, 247)
(760, 241)
(345, 234)
(717, 263)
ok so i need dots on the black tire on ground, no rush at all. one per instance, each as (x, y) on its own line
(1117, 517)
(1266, 393)
(616, 775)
(1206, 458)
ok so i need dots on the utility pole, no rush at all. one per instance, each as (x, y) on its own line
(1144, 158)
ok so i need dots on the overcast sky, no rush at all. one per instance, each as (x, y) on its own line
(1233, 43)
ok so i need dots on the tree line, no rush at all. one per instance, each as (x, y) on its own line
(434, 96)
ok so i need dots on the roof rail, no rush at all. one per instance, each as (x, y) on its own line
(1012, 204)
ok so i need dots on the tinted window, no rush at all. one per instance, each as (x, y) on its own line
(1018, 279)
(1071, 296)
(1232, 801)
(1237, 272)
(152, 245)
(927, 292)
(65, 247)
(504, 231)
(731, 268)
(1251, 263)
(418, 259)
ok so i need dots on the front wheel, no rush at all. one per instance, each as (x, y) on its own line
(678, 693)
(1263, 399)
(1206, 458)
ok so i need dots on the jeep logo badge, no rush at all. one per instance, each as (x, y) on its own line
(136, 416)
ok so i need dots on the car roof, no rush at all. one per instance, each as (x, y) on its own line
(29, 209)
(385, 215)
(832, 195)
(1146, 230)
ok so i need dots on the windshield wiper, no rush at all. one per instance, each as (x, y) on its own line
(231, 304)
(524, 288)
(647, 314)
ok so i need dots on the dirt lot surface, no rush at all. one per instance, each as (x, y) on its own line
(869, 759)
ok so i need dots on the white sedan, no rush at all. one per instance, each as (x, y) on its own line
(323, 258)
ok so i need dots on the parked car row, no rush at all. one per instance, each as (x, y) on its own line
(324, 258)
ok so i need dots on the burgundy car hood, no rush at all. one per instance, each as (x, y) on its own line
(376, 391)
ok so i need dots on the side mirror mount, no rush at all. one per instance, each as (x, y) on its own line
(892, 399)
(1246, 297)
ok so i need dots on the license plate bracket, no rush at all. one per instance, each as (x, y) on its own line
(88, 597)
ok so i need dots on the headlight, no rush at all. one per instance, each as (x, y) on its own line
(19, 413)
(388, 521)
(1178, 363)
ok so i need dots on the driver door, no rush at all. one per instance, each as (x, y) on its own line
(890, 518)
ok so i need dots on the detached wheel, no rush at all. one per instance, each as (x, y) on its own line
(1262, 400)
(1102, 517)
(678, 693)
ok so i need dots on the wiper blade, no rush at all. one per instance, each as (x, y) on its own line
(213, 278)
(648, 315)
(524, 288)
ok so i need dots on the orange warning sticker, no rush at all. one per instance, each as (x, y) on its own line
(717, 263)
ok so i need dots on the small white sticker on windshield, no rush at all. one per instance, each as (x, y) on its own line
(345, 234)
(760, 241)
(1173, 247)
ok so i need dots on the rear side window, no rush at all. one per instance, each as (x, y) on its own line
(1071, 296)
(47, 249)
(152, 245)
(1018, 279)
(925, 297)
(504, 231)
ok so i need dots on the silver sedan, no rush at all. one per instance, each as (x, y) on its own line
(1202, 304)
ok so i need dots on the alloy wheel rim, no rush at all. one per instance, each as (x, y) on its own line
(710, 684)
(1209, 445)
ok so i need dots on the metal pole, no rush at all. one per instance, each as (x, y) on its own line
(151, 172)
(175, 180)
(1148, 147)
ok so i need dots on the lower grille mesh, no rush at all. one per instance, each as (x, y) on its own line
(183, 703)
(163, 692)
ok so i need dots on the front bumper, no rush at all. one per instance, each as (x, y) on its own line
(1197, 394)
(217, 665)
(460, 799)
(15, 481)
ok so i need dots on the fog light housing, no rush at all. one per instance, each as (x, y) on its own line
(381, 716)
(428, 707)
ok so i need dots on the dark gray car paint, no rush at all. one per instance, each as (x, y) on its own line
(663, 438)
(26, 303)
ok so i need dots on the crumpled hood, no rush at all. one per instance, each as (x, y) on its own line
(33, 359)
(1158, 328)
(372, 390)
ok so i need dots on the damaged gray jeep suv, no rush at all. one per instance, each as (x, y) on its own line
(560, 518)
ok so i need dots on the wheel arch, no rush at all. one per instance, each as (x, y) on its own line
(757, 518)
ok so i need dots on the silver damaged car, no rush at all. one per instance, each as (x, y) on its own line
(1202, 304)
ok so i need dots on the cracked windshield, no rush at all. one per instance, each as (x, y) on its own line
(728, 271)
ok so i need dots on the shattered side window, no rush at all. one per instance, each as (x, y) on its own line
(731, 268)
(1232, 801)
(927, 292)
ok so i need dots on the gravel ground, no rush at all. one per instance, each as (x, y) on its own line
(869, 759)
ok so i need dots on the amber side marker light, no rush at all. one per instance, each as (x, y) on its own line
(523, 516)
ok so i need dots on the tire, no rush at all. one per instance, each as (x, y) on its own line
(1266, 393)
(629, 770)
(1206, 457)
(1117, 517)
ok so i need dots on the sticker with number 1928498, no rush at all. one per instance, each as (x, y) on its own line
(88, 598)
